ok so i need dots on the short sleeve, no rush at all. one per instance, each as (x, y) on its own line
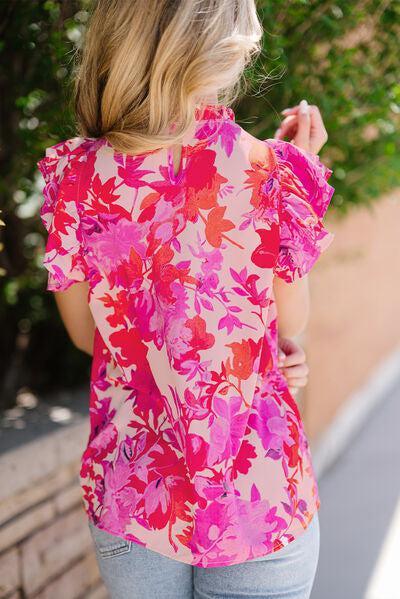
(304, 197)
(64, 259)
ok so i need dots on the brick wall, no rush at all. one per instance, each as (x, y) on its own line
(46, 549)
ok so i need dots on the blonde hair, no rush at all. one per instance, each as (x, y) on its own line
(145, 64)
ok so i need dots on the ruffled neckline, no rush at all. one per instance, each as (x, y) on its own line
(78, 145)
(214, 112)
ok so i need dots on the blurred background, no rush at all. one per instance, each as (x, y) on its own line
(342, 56)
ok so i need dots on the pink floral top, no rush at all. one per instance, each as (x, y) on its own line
(196, 448)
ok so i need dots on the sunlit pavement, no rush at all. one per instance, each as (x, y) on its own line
(360, 513)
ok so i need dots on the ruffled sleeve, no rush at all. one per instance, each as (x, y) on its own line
(305, 195)
(62, 168)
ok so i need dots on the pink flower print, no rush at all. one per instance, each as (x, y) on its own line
(265, 254)
(177, 337)
(104, 443)
(129, 170)
(227, 429)
(251, 535)
(219, 486)
(248, 287)
(168, 187)
(209, 527)
(187, 405)
(120, 499)
(229, 321)
(226, 133)
(114, 244)
(211, 259)
(271, 426)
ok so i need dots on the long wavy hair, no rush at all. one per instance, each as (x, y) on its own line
(146, 64)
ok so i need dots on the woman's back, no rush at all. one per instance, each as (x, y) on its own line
(196, 447)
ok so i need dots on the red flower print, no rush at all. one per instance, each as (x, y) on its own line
(200, 338)
(133, 350)
(265, 254)
(203, 183)
(196, 447)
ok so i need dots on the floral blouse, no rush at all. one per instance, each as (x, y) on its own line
(196, 448)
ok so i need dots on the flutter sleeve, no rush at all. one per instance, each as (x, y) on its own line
(304, 198)
(62, 168)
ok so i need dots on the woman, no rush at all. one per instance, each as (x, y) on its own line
(178, 248)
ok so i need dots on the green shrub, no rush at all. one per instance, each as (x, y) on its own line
(342, 56)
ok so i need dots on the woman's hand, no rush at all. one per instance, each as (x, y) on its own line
(304, 126)
(292, 362)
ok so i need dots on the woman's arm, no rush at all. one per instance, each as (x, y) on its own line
(293, 305)
(76, 315)
(293, 364)
(304, 125)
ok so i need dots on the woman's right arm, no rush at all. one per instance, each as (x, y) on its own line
(304, 125)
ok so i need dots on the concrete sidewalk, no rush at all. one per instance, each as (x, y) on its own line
(359, 494)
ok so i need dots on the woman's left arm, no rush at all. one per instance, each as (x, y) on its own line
(75, 313)
(293, 305)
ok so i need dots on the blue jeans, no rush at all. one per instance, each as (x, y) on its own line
(130, 571)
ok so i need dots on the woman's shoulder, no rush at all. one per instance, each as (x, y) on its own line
(280, 154)
(66, 154)
(296, 170)
(72, 146)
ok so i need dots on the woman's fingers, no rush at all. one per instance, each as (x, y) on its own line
(293, 353)
(302, 136)
(299, 371)
(305, 130)
(289, 110)
(292, 363)
(287, 128)
(318, 133)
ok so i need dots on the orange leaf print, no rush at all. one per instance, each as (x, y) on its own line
(243, 359)
(149, 199)
(135, 264)
(216, 224)
(206, 198)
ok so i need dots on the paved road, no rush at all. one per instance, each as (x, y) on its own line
(359, 494)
